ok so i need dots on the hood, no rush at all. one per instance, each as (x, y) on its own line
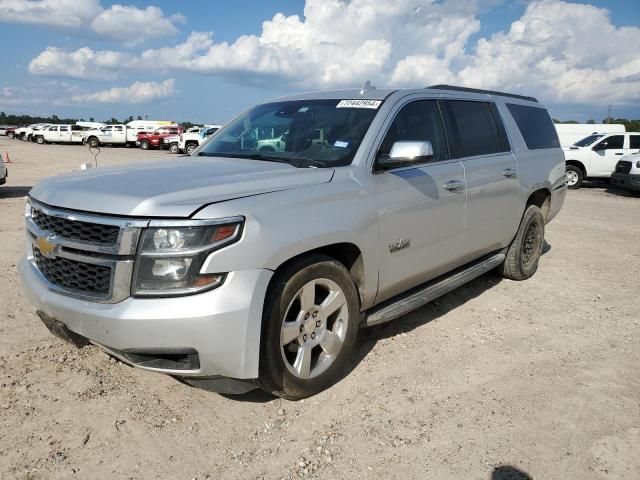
(171, 188)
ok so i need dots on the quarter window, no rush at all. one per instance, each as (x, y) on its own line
(535, 125)
(634, 141)
(418, 121)
(473, 129)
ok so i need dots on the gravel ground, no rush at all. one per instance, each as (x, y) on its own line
(497, 380)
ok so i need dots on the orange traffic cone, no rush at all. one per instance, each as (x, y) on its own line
(6, 158)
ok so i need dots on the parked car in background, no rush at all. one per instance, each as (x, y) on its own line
(627, 173)
(4, 129)
(155, 139)
(596, 156)
(11, 132)
(570, 133)
(60, 134)
(262, 266)
(188, 142)
(26, 133)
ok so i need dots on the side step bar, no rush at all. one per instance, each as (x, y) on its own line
(417, 297)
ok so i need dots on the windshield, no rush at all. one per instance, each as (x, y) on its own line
(305, 133)
(588, 140)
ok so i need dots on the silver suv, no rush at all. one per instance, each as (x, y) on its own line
(242, 268)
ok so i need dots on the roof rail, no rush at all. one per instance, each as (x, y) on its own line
(478, 90)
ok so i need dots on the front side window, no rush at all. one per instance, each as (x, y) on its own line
(64, 129)
(535, 125)
(472, 129)
(417, 121)
(302, 133)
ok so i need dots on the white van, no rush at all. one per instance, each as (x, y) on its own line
(570, 133)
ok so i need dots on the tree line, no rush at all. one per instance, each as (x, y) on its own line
(21, 120)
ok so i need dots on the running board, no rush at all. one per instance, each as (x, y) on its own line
(395, 308)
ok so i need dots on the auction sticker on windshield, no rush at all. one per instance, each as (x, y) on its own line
(359, 104)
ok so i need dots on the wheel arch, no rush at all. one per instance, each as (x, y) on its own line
(540, 198)
(579, 164)
(347, 253)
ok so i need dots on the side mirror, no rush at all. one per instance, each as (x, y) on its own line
(406, 152)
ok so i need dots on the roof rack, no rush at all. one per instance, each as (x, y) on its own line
(478, 90)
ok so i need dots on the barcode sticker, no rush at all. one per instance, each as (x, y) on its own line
(359, 104)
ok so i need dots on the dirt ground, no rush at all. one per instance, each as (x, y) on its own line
(497, 380)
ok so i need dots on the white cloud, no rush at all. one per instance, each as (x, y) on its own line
(59, 13)
(133, 25)
(139, 92)
(125, 23)
(560, 51)
(81, 63)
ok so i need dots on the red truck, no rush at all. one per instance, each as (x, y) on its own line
(154, 139)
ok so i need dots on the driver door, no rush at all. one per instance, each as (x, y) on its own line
(605, 154)
(421, 208)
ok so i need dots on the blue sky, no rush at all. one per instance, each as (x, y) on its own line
(85, 58)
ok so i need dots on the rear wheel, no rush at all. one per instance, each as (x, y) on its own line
(40, 140)
(190, 148)
(525, 250)
(93, 142)
(310, 326)
(11, 135)
(574, 176)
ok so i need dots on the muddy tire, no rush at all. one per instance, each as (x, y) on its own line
(309, 327)
(526, 248)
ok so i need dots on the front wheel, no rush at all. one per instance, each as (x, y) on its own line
(40, 140)
(173, 148)
(525, 250)
(144, 145)
(93, 142)
(310, 326)
(189, 149)
(574, 177)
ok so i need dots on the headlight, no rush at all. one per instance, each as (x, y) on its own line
(172, 253)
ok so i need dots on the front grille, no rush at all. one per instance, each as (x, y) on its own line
(75, 229)
(76, 276)
(623, 167)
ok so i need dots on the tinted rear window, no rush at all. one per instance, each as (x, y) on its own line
(634, 141)
(535, 125)
(473, 129)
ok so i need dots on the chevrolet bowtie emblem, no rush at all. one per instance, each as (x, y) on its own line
(45, 246)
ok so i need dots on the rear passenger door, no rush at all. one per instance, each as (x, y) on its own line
(634, 144)
(420, 207)
(477, 138)
(65, 134)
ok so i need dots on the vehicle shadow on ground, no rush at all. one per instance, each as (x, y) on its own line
(14, 191)
(507, 472)
(610, 189)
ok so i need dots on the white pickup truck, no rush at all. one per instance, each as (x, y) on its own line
(596, 156)
(60, 134)
(111, 135)
(189, 141)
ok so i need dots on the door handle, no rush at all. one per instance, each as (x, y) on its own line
(452, 185)
(509, 172)
(619, 154)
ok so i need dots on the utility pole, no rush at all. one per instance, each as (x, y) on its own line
(609, 114)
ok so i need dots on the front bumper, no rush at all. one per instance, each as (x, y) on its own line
(222, 325)
(629, 181)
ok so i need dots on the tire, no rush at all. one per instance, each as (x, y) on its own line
(190, 148)
(11, 135)
(525, 250)
(40, 140)
(93, 142)
(296, 297)
(173, 148)
(144, 145)
(574, 177)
